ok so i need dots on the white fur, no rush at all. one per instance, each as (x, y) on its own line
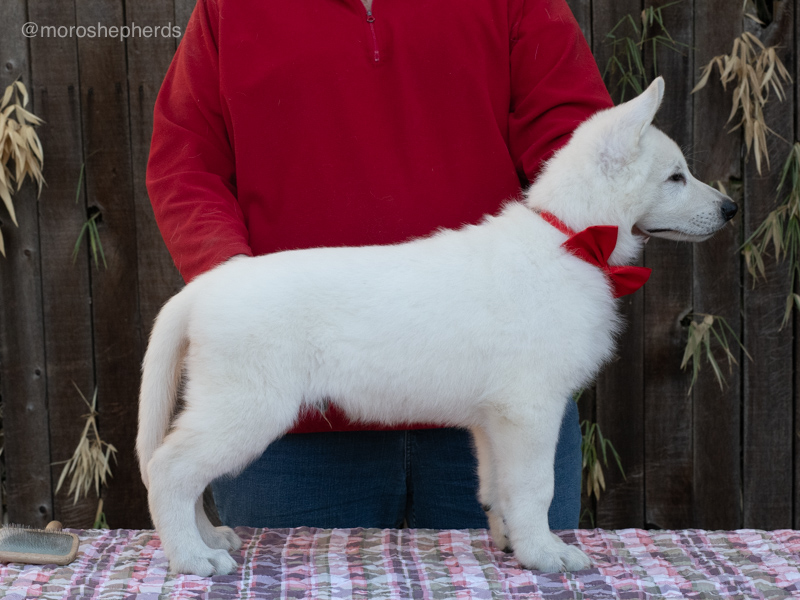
(491, 327)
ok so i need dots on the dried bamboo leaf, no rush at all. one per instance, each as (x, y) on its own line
(756, 69)
(35, 144)
(22, 90)
(787, 313)
(89, 466)
(18, 143)
(751, 40)
(713, 362)
(754, 18)
(737, 99)
(705, 74)
(767, 76)
(699, 345)
(6, 97)
(599, 477)
(6, 197)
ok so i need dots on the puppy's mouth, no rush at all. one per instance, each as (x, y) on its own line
(669, 234)
(636, 230)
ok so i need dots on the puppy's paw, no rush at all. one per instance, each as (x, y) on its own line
(575, 559)
(221, 538)
(497, 529)
(204, 564)
(551, 555)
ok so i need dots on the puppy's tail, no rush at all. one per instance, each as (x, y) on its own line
(161, 374)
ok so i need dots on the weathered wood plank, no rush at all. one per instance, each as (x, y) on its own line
(183, 10)
(716, 156)
(667, 299)
(768, 409)
(22, 353)
(796, 319)
(65, 286)
(148, 60)
(620, 388)
(582, 9)
(109, 187)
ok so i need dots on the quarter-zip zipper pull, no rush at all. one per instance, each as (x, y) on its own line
(371, 21)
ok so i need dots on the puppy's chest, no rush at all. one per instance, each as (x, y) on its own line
(582, 306)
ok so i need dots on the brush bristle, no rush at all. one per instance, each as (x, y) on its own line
(15, 538)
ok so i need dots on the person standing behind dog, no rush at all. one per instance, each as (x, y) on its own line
(312, 123)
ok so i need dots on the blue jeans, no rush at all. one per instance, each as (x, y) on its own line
(425, 478)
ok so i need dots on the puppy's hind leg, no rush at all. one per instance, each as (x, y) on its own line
(211, 438)
(488, 492)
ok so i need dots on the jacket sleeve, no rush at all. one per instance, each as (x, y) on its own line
(191, 168)
(555, 83)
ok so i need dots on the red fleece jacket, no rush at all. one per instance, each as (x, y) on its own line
(285, 125)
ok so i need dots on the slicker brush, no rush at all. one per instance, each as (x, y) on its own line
(48, 546)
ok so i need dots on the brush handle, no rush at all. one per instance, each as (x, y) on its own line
(53, 526)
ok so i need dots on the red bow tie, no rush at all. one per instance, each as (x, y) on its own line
(595, 245)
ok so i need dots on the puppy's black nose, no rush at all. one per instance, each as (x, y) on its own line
(728, 209)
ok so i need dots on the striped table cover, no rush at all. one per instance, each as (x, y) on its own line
(424, 563)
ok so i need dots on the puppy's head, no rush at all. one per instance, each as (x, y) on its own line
(618, 169)
(673, 203)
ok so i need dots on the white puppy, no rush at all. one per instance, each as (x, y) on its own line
(491, 327)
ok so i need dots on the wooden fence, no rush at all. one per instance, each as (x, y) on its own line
(711, 458)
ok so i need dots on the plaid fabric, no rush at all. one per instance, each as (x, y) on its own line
(426, 564)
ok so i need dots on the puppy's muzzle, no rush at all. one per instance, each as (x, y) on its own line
(729, 209)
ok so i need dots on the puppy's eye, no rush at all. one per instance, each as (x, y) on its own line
(678, 177)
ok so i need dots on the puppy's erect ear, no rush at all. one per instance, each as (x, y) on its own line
(644, 107)
(629, 122)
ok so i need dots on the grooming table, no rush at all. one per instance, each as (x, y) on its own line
(427, 564)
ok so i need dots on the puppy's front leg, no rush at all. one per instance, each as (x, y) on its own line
(525, 445)
(489, 494)
(223, 538)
